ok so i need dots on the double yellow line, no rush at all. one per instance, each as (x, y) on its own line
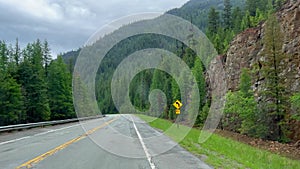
(37, 159)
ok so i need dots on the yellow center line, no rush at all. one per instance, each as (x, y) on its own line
(38, 159)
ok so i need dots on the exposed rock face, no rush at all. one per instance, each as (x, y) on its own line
(246, 52)
(246, 49)
(243, 53)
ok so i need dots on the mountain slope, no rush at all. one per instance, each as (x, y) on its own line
(196, 11)
(119, 52)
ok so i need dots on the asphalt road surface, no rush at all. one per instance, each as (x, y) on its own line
(112, 142)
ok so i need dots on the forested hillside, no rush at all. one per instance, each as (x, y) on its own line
(221, 21)
(196, 11)
(32, 87)
(143, 81)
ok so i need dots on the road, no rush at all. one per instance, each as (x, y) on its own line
(112, 142)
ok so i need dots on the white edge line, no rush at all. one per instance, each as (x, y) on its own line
(38, 134)
(149, 158)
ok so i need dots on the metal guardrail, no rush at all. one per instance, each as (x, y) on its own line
(41, 124)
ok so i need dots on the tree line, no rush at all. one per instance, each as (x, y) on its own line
(224, 25)
(33, 87)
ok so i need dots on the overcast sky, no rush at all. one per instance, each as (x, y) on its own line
(67, 24)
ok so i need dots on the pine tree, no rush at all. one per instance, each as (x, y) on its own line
(198, 72)
(82, 102)
(11, 101)
(32, 79)
(242, 110)
(157, 83)
(17, 52)
(237, 18)
(46, 56)
(246, 21)
(245, 83)
(252, 5)
(274, 95)
(249, 109)
(227, 17)
(260, 16)
(189, 57)
(60, 90)
(3, 56)
(213, 22)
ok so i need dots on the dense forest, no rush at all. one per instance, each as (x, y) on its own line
(33, 87)
(222, 21)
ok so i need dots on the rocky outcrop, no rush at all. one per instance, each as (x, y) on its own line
(246, 51)
(243, 53)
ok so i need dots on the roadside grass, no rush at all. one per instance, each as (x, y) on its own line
(221, 152)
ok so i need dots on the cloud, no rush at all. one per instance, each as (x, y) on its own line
(36, 8)
(67, 24)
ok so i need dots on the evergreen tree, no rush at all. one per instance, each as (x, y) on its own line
(274, 107)
(237, 17)
(14, 60)
(241, 108)
(46, 56)
(227, 17)
(260, 16)
(17, 52)
(60, 90)
(246, 21)
(295, 102)
(204, 113)
(252, 5)
(217, 41)
(83, 104)
(213, 22)
(158, 83)
(189, 57)
(198, 72)
(11, 101)
(245, 83)
(32, 79)
(3, 56)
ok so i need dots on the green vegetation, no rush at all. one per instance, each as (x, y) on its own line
(262, 114)
(223, 152)
(197, 12)
(295, 101)
(274, 97)
(60, 101)
(223, 25)
(266, 115)
(32, 87)
(242, 110)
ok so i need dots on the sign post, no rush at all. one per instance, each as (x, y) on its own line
(177, 104)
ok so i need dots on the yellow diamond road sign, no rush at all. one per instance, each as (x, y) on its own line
(177, 104)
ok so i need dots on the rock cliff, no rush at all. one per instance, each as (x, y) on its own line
(246, 49)
(246, 52)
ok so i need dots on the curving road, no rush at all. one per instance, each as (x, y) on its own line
(112, 142)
